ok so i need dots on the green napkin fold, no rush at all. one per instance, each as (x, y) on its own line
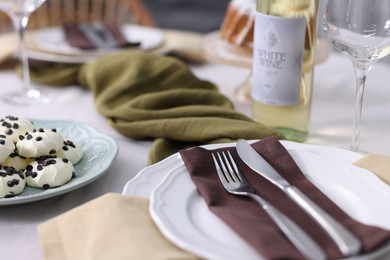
(146, 96)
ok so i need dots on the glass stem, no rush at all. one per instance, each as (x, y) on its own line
(20, 23)
(361, 73)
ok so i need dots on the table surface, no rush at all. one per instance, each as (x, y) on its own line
(331, 125)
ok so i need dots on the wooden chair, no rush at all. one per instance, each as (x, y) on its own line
(56, 12)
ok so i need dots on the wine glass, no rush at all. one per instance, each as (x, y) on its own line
(19, 11)
(360, 29)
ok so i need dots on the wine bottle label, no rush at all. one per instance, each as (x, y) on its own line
(277, 59)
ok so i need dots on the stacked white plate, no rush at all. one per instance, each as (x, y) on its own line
(183, 217)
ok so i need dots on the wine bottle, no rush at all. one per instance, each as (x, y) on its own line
(285, 35)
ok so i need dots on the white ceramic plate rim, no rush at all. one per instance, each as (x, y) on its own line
(99, 152)
(173, 166)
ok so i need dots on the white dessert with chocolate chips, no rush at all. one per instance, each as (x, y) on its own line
(16, 161)
(35, 157)
(13, 126)
(12, 182)
(39, 142)
(7, 147)
(71, 151)
(49, 172)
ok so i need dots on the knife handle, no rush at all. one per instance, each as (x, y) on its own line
(297, 236)
(347, 242)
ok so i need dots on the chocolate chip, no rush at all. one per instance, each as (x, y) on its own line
(12, 182)
(38, 138)
(10, 169)
(41, 159)
(52, 162)
(12, 118)
(46, 186)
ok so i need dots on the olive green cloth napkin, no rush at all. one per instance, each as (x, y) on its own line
(146, 96)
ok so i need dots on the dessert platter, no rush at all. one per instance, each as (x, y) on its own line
(186, 221)
(41, 159)
(49, 44)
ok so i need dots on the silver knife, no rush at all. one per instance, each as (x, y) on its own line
(98, 35)
(347, 242)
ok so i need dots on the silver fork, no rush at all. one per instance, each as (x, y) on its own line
(235, 183)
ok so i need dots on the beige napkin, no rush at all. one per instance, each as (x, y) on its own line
(378, 164)
(8, 46)
(115, 226)
(186, 44)
(110, 227)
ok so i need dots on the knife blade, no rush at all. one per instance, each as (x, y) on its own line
(347, 242)
(98, 35)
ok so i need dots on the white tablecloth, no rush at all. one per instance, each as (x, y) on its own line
(331, 125)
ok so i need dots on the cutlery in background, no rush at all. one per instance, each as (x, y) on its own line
(347, 242)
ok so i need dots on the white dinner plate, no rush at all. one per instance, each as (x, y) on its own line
(49, 44)
(187, 222)
(99, 152)
(53, 39)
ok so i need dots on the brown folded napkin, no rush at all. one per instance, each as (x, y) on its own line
(110, 227)
(76, 36)
(246, 217)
